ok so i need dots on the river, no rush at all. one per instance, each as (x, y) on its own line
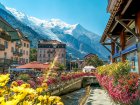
(97, 97)
(72, 98)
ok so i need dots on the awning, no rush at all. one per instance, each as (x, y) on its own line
(34, 65)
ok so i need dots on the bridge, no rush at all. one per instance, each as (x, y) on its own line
(72, 85)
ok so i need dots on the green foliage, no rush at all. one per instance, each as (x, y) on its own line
(61, 67)
(75, 69)
(116, 70)
(33, 54)
(94, 61)
(23, 77)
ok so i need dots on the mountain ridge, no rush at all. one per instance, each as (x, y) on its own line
(79, 40)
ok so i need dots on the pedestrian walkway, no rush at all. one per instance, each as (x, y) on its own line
(98, 96)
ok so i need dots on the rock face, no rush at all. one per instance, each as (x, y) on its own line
(79, 40)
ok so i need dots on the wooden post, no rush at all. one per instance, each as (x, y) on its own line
(112, 51)
(137, 23)
(122, 42)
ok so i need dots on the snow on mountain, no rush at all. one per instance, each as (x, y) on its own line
(48, 24)
(79, 40)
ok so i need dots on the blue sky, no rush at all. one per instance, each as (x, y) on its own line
(91, 14)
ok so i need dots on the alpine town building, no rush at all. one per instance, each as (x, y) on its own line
(122, 32)
(49, 49)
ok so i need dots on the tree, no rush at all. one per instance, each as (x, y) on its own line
(61, 67)
(94, 61)
(33, 54)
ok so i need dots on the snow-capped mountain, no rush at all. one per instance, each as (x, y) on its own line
(79, 40)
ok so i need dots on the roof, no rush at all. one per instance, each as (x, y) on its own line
(121, 9)
(50, 42)
(113, 14)
(23, 37)
(34, 65)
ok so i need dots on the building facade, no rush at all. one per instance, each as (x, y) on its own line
(11, 45)
(49, 49)
(20, 49)
(122, 33)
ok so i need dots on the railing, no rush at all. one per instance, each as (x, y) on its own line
(17, 53)
(18, 45)
(5, 62)
(2, 47)
(5, 36)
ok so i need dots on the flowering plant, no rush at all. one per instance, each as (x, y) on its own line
(121, 84)
(24, 94)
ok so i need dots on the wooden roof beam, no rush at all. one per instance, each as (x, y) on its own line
(106, 43)
(107, 48)
(126, 27)
(113, 40)
(126, 6)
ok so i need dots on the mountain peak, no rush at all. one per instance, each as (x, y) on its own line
(19, 15)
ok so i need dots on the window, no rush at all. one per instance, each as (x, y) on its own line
(26, 52)
(40, 55)
(133, 58)
(62, 55)
(27, 45)
(6, 44)
(48, 55)
(23, 51)
(5, 55)
(26, 60)
(12, 49)
(24, 44)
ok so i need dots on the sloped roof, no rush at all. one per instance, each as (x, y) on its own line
(34, 65)
(112, 16)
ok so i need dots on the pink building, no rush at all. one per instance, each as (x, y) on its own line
(49, 49)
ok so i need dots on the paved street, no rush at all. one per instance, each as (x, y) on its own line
(99, 97)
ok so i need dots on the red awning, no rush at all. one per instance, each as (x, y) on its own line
(34, 65)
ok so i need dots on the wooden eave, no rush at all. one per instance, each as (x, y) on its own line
(120, 7)
(112, 16)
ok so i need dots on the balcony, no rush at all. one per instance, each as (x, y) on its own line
(2, 47)
(5, 62)
(18, 45)
(5, 35)
(111, 5)
(17, 53)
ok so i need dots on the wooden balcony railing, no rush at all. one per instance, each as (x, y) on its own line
(17, 53)
(5, 36)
